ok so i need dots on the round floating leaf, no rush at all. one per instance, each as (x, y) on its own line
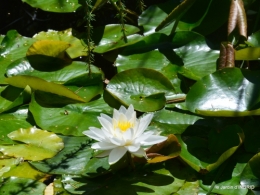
(21, 186)
(251, 173)
(12, 47)
(227, 92)
(167, 178)
(55, 5)
(76, 48)
(11, 97)
(38, 145)
(144, 88)
(205, 155)
(51, 48)
(25, 170)
(71, 160)
(42, 85)
(173, 122)
(110, 37)
(13, 121)
(71, 119)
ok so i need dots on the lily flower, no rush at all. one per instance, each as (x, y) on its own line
(122, 133)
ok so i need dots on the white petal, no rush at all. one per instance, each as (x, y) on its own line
(103, 154)
(117, 142)
(103, 146)
(143, 124)
(108, 118)
(122, 109)
(153, 139)
(116, 114)
(99, 136)
(105, 124)
(133, 148)
(144, 136)
(140, 153)
(130, 113)
(116, 154)
(128, 135)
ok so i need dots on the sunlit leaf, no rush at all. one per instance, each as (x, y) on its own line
(12, 47)
(110, 37)
(144, 88)
(54, 5)
(69, 36)
(36, 144)
(249, 53)
(227, 92)
(42, 85)
(71, 119)
(13, 121)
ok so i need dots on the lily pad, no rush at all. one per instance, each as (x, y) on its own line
(72, 159)
(251, 173)
(12, 47)
(35, 83)
(227, 92)
(21, 186)
(55, 5)
(13, 121)
(205, 153)
(144, 88)
(34, 148)
(76, 48)
(170, 177)
(110, 37)
(71, 119)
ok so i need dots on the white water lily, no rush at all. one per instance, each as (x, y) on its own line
(122, 133)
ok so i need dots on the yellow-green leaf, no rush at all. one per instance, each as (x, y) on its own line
(42, 85)
(250, 53)
(37, 144)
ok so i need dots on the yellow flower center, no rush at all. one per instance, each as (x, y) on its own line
(123, 126)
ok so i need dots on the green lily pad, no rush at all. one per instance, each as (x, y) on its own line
(21, 186)
(253, 40)
(12, 47)
(227, 92)
(110, 37)
(13, 121)
(173, 122)
(35, 83)
(34, 148)
(12, 97)
(55, 5)
(170, 177)
(71, 119)
(76, 48)
(226, 179)
(205, 154)
(251, 173)
(144, 88)
(25, 170)
(71, 160)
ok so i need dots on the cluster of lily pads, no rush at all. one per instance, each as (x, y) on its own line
(51, 99)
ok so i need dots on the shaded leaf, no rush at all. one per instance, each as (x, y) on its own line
(34, 148)
(71, 160)
(251, 173)
(21, 186)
